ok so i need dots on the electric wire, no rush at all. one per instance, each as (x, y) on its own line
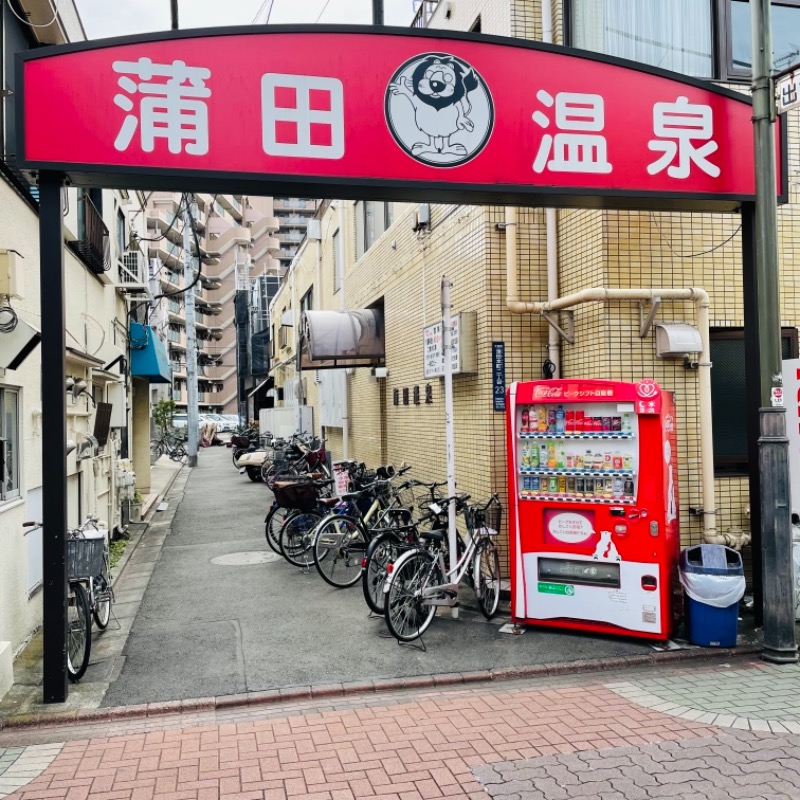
(674, 252)
(8, 319)
(319, 16)
(53, 6)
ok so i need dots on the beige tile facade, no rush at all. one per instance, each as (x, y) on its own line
(613, 249)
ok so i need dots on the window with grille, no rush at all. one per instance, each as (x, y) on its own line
(729, 395)
(9, 444)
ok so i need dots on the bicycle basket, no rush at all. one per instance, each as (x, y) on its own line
(484, 520)
(300, 495)
(85, 556)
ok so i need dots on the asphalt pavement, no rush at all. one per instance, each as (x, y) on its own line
(208, 628)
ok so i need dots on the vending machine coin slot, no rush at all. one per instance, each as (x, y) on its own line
(649, 583)
(654, 528)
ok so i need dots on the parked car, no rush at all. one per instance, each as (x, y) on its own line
(223, 423)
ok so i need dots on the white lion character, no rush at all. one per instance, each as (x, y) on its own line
(438, 91)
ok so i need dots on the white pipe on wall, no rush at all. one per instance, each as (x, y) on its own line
(701, 301)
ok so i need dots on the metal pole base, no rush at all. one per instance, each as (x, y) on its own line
(191, 461)
(788, 656)
(780, 645)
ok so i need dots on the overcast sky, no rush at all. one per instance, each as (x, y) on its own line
(103, 18)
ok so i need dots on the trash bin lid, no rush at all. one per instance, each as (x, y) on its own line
(712, 559)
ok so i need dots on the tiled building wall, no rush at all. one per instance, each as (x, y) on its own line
(610, 249)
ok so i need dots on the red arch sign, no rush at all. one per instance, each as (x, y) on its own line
(358, 113)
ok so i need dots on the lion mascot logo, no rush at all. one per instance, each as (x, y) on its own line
(439, 110)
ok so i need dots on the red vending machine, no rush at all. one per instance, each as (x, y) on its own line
(593, 499)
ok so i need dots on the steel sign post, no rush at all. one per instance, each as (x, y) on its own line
(54, 438)
(776, 538)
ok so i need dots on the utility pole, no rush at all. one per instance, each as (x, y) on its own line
(173, 7)
(192, 416)
(377, 12)
(773, 446)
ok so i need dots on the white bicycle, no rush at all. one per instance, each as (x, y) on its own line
(419, 581)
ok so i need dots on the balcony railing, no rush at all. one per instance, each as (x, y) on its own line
(424, 13)
(131, 268)
(92, 244)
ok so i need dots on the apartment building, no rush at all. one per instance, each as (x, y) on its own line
(380, 257)
(235, 234)
(293, 214)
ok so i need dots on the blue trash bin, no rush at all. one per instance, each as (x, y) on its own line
(713, 580)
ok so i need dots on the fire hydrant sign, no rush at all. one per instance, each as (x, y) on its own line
(434, 349)
(458, 115)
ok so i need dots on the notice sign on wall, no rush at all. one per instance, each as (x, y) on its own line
(499, 375)
(463, 355)
(434, 349)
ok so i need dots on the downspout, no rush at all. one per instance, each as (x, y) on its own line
(700, 299)
(343, 307)
(551, 223)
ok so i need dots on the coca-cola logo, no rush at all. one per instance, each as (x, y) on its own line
(547, 391)
(647, 389)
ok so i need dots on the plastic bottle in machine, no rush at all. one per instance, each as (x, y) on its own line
(526, 456)
(541, 419)
(543, 455)
(560, 420)
(561, 457)
(525, 420)
(552, 458)
(533, 456)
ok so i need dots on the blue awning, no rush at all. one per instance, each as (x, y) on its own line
(148, 355)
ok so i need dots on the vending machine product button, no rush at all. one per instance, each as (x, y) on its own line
(649, 583)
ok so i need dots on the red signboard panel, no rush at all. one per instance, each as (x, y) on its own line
(394, 107)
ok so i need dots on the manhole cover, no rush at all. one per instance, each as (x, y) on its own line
(245, 559)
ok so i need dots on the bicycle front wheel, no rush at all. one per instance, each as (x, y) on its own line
(273, 524)
(381, 552)
(408, 615)
(339, 546)
(297, 538)
(79, 632)
(156, 448)
(486, 577)
(102, 597)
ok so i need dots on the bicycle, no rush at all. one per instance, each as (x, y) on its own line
(341, 539)
(278, 514)
(88, 563)
(419, 581)
(169, 444)
(389, 544)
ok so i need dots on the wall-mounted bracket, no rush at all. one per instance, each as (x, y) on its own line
(647, 315)
(553, 319)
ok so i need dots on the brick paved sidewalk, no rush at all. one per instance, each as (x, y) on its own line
(578, 736)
